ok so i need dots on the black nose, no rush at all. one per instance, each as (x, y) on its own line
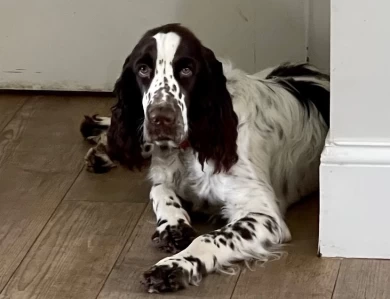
(162, 115)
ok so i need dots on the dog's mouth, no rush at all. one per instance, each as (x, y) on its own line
(166, 143)
(170, 143)
(166, 135)
(166, 139)
(147, 147)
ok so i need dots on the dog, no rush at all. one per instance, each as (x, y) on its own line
(246, 146)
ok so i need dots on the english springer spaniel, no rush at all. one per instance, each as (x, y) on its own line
(248, 146)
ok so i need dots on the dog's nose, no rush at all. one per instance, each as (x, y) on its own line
(162, 115)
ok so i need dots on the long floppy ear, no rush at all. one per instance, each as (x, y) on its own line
(212, 120)
(124, 136)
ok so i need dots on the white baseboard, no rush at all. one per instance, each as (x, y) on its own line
(355, 201)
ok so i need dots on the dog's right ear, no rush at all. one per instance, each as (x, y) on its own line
(125, 136)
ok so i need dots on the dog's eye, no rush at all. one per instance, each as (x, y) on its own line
(186, 72)
(144, 71)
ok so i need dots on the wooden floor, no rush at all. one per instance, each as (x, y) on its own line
(67, 233)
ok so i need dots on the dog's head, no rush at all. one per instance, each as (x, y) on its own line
(172, 90)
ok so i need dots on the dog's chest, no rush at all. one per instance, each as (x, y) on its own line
(205, 184)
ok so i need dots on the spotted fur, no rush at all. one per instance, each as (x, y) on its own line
(255, 145)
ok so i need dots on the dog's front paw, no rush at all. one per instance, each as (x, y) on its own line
(97, 161)
(173, 238)
(165, 278)
(173, 274)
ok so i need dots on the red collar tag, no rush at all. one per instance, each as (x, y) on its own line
(184, 145)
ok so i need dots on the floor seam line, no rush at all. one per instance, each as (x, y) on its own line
(337, 277)
(120, 253)
(14, 114)
(40, 232)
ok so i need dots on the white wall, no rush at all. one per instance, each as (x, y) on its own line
(319, 34)
(81, 45)
(355, 169)
(360, 69)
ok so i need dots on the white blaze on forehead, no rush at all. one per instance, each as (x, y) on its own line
(164, 82)
(167, 44)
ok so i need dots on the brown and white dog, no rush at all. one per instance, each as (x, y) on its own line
(247, 145)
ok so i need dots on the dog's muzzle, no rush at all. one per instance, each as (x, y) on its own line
(164, 123)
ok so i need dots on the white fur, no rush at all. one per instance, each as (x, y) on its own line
(167, 44)
(103, 121)
(279, 151)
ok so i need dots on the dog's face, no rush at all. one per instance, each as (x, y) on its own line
(166, 65)
(172, 89)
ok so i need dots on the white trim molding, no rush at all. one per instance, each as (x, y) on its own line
(355, 200)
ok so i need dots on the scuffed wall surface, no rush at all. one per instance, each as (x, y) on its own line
(81, 45)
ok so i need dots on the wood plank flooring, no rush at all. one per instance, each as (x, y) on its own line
(66, 233)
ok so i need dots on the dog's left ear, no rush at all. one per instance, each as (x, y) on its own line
(212, 120)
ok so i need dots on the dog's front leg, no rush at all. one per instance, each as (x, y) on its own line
(255, 232)
(174, 231)
(94, 129)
